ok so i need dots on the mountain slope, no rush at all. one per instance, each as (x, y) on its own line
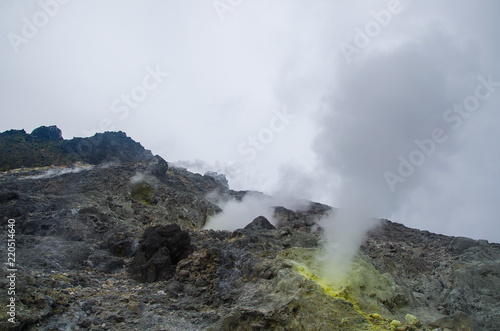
(121, 246)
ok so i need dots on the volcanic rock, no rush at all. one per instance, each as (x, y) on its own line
(160, 167)
(260, 222)
(47, 133)
(460, 244)
(457, 321)
(220, 178)
(45, 147)
(161, 249)
(7, 196)
(106, 147)
(412, 320)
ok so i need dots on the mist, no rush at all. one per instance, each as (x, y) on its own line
(238, 214)
(51, 173)
(343, 233)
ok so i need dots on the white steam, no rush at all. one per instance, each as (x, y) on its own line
(373, 115)
(138, 178)
(344, 231)
(54, 172)
(238, 214)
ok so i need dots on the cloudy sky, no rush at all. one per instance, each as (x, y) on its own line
(387, 106)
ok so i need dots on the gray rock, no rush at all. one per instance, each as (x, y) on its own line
(159, 168)
(47, 133)
(260, 223)
(457, 321)
(121, 244)
(460, 244)
(219, 178)
(161, 249)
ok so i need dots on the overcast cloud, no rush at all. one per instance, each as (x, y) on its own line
(285, 97)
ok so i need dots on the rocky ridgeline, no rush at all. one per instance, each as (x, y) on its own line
(121, 246)
(45, 146)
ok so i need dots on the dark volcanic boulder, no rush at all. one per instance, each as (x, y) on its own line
(260, 223)
(48, 133)
(162, 247)
(121, 244)
(7, 196)
(159, 169)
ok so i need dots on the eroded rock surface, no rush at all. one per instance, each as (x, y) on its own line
(260, 222)
(161, 249)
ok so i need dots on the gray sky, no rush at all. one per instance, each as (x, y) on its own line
(371, 104)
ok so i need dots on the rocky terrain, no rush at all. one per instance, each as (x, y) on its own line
(115, 239)
(45, 146)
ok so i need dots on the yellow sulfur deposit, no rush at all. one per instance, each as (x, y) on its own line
(363, 286)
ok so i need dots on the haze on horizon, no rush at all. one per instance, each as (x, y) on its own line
(387, 106)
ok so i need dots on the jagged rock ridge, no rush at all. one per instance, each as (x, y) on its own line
(45, 146)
